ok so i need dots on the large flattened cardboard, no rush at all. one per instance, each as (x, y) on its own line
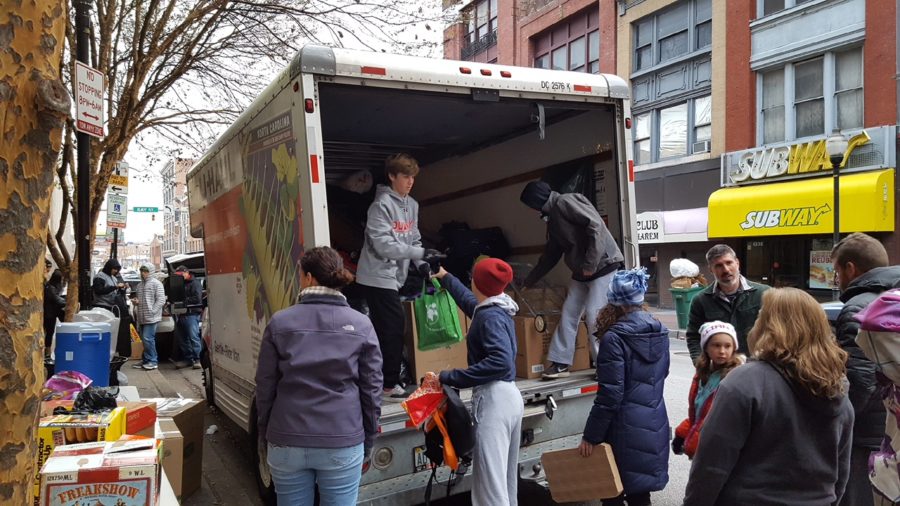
(573, 478)
(440, 359)
(173, 452)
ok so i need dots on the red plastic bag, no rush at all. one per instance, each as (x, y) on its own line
(422, 403)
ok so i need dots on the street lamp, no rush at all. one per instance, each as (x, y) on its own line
(836, 146)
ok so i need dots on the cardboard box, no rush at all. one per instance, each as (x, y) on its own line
(140, 418)
(124, 473)
(173, 452)
(532, 346)
(58, 430)
(188, 417)
(420, 362)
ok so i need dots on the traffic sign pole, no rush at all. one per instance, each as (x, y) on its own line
(83, 250)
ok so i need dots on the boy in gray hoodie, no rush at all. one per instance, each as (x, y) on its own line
(392, 241)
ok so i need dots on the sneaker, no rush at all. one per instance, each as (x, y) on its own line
(196, 364)
(137, 365)
(396, 394)
(149, 367)
(556, 371)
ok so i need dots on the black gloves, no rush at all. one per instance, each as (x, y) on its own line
(678, 445)
(424, 270)
(433, 255)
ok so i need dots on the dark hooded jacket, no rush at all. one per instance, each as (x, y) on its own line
(577, 233)
(864, 394)
(629, 412)
(769, 442)
(106, 293)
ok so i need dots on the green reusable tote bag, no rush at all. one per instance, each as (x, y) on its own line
(437, 319)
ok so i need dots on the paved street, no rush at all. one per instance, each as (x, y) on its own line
(228, 477)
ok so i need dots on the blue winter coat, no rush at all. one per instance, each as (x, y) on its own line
(629, 412)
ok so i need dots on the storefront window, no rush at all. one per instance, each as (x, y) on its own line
(777, 262)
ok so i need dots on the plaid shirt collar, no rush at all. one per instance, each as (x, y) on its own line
(321, 290)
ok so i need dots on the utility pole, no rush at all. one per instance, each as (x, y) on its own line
(83, 189)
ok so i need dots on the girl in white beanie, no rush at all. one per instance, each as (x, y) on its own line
(719, 343)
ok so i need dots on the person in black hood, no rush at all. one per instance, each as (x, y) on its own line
(54, 307)
(862, 273)
(780, 430)
(577, 233)
(109, 293)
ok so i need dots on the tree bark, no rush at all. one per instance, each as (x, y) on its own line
(33, 106)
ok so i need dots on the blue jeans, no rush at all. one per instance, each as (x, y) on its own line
(188, 330)
(148, 336)
(297, 470)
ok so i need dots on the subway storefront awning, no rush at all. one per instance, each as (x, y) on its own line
(804, 207)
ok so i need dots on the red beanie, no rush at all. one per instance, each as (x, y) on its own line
(491, 276)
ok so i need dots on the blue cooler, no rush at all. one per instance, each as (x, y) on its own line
(84, 347)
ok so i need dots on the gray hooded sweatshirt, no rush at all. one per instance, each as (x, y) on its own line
(392, 240)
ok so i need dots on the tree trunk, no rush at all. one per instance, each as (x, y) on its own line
(33, 106)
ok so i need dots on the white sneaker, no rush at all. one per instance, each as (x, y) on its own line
(149, 367)
(396, 394)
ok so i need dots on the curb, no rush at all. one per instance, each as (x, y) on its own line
(677, 334)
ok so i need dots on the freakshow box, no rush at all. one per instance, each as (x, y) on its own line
(57, 430)
(124, 473)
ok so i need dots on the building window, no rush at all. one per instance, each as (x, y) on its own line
(773, 106)
(481, 27)
(823, 93)
(767, 7)
(848, 91)
(677, 129)
(642, 138)
(672, 33)
(572, 45)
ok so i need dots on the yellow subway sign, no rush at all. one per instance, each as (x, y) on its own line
(802, 158)
(804, 206)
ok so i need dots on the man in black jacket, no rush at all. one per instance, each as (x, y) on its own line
(861, 270)
(187, 328)
(576, 232)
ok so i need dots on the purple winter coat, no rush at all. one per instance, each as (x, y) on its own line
(319, 382)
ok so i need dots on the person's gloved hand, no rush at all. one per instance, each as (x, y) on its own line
(678, 445)
(424, 270)
(433, 255)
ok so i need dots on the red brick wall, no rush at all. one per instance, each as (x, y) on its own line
(453, 37)
(740, 94)
(879, 63)
(550, 15)
(608, 15)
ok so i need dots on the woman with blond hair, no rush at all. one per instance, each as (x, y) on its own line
(781, 427)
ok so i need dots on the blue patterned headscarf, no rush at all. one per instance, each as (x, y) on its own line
(628, 287)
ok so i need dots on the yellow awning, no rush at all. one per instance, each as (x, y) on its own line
(804, 207)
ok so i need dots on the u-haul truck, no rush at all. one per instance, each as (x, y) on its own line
(261, 195)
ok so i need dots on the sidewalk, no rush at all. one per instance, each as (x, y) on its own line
(670, 320)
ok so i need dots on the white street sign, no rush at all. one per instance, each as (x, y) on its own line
(116, 210)
(118, 180)
(90, 89)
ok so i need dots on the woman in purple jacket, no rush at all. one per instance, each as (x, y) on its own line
(318, 388)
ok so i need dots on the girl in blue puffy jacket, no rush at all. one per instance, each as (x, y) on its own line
(629, 412)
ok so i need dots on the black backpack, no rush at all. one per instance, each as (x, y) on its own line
(460, 435)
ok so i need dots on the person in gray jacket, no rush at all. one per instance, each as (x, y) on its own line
(577, 233)
(392, 242)
(781, 427)
(150, 299)
(318, 388)
(862, 273)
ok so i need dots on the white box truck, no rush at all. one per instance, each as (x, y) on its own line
(262, 194)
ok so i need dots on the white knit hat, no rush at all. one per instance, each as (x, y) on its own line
(712, 328)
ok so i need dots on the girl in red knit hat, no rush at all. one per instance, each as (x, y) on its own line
(497, 404)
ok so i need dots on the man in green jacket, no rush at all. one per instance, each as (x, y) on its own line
(730, 299)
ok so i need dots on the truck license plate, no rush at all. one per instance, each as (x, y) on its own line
(420, 461)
